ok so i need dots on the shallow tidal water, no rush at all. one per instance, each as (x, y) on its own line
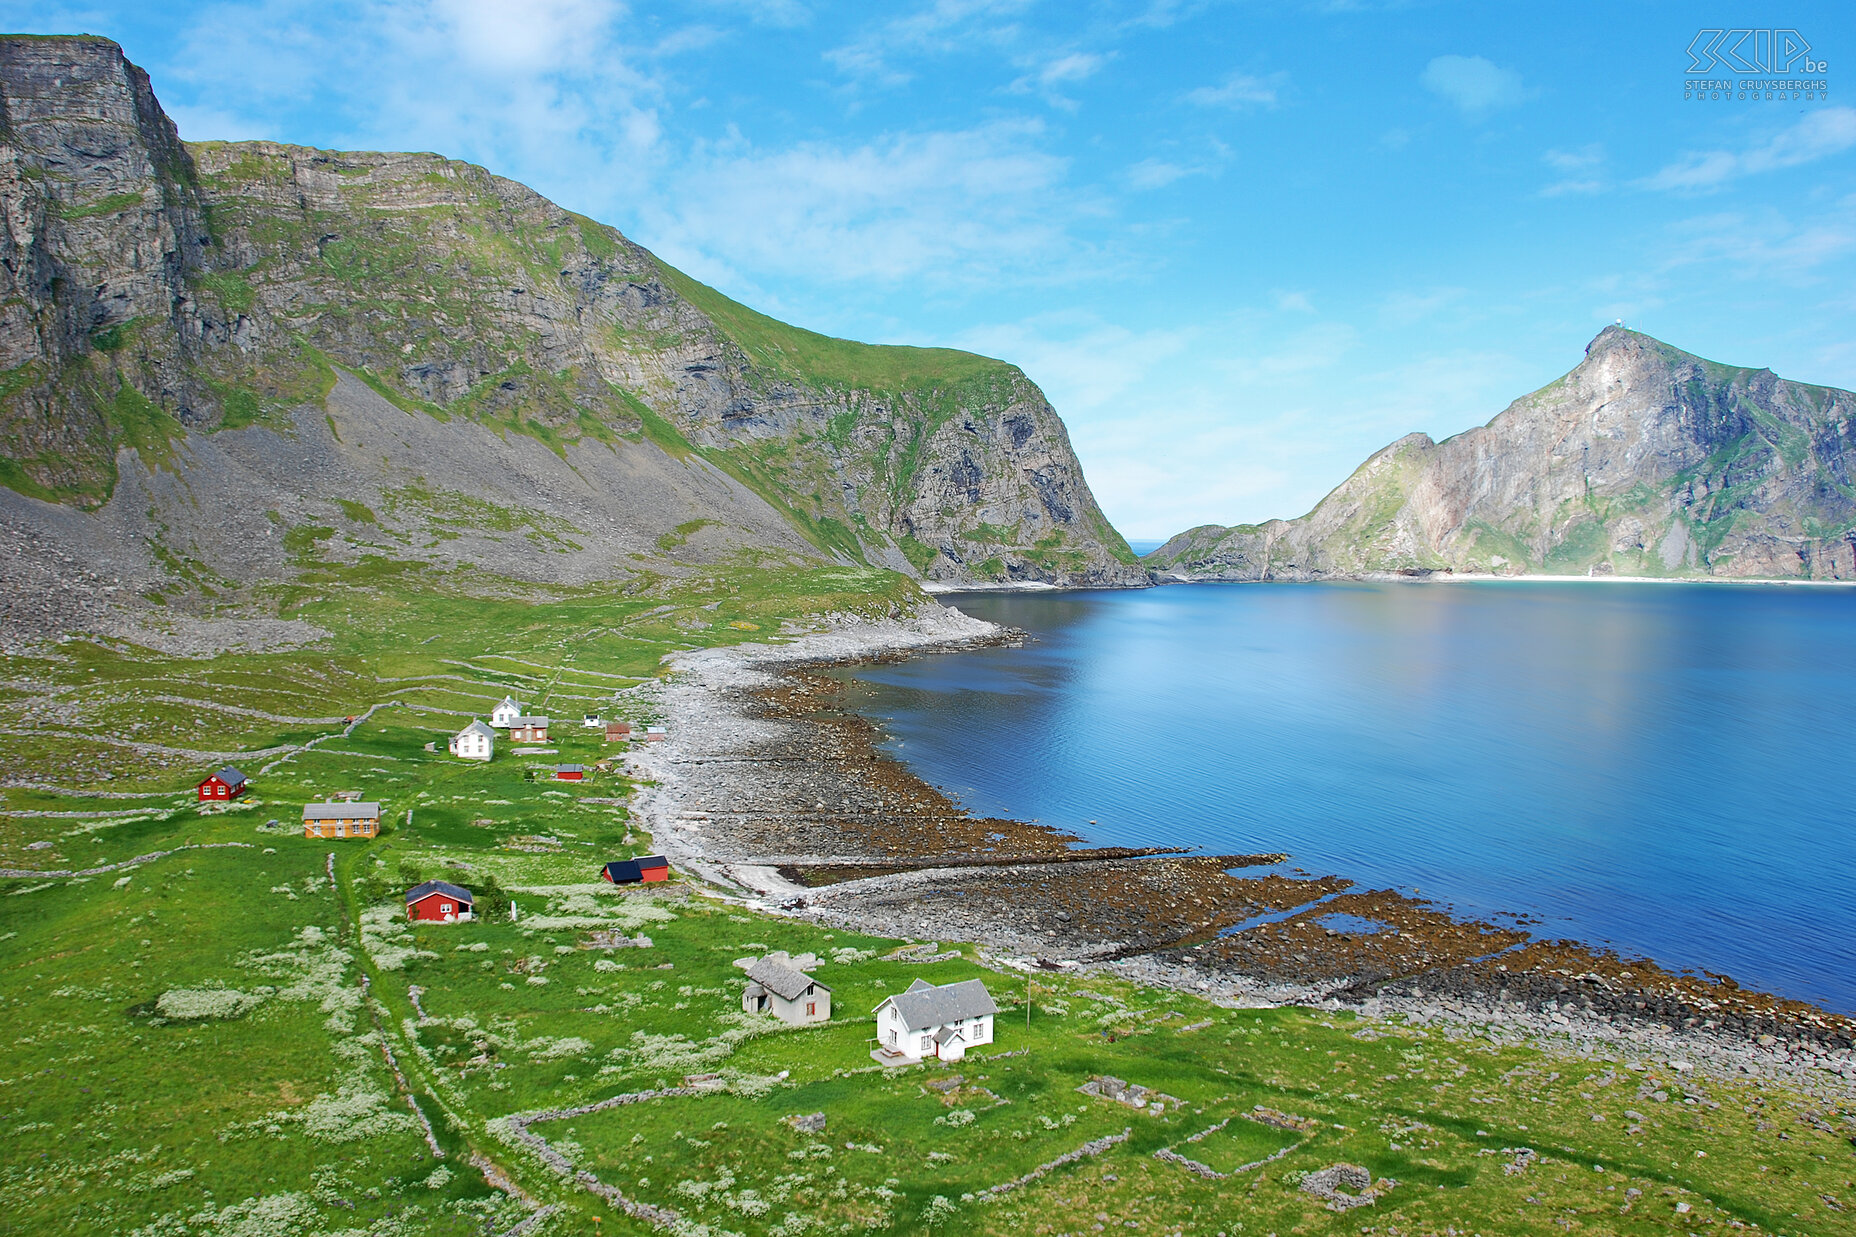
(1666, 769)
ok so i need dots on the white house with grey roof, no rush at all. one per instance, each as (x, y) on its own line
(475, 742)
(790, 995)
(926, 1021)
(506, 712)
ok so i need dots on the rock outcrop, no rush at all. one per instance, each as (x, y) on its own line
(230, 352)
(1642, 461)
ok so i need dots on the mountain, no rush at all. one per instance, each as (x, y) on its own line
(215, 354)
(1643, 460)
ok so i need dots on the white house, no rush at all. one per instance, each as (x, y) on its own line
(475, 742)
(943, 1022)
(506, 712)
(592, 721)
(793, 997)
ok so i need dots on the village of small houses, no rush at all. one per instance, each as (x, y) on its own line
(365, 939)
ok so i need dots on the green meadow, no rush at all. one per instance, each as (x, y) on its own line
(243, 1035)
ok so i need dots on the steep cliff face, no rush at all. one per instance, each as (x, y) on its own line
(1644, 460)
(103, 226)
(182, 320)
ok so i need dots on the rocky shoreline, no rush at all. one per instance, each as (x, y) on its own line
(771, 788)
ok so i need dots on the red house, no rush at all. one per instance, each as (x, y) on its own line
(438, 902)
(528, 730)
(228, 783)
(569, 773)
(631, 871)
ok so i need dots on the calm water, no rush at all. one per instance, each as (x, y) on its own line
(1664, 768)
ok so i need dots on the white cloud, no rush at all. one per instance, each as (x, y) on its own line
(1766, 244)
(1056, 71)
(1238, 90)
(940, 206)
(1475, 85)
(1579, 171)
(564, 95)
(1828, 131)
(1404, 308)
(935, 28)
(1157, 174)
(767, 12)
(1582, 159)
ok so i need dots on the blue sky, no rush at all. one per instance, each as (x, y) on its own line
(1240, 245)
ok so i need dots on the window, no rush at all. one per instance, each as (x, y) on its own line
(811, 1008)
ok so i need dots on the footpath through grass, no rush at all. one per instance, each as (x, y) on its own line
(207, 1042)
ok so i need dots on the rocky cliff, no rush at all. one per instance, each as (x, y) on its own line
(1644, 460)
(213, 353)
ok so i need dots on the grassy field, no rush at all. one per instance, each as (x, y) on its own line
(244, 1037)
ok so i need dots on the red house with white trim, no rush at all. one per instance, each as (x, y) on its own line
(226, 784)
(439, 902)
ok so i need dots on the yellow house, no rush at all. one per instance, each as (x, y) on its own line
(341, 820)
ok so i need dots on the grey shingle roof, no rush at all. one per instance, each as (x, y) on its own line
(458, 892)
(477, 727)
(925, 1005)
(530, 721)
(341, 811)
(782, 981)
(231, 776)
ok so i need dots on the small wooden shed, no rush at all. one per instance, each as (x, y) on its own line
(569, 773)
(618, 732)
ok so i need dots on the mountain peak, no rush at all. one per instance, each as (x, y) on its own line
(1645, 460)
(1615, 336)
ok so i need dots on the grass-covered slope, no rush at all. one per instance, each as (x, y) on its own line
(172, 291)
(1643, 460)
(244, 1037)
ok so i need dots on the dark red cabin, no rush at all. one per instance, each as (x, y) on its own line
(439, 902)
(228, 783)
(653, 867)
(569, 773)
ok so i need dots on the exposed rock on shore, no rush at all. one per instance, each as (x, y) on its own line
(766, 786)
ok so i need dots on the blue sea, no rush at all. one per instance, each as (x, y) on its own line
(1667, 769)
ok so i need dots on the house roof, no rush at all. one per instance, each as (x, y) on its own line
(782, 981)
(925, 1005)
(529, 721)
(477, 727)
(230, 776)
(341, 811)
(418, 893)
(511, 701)
(570, 768)
(622, 868)
(651, 861)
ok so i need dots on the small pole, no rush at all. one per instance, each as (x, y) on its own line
(1030, 983)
